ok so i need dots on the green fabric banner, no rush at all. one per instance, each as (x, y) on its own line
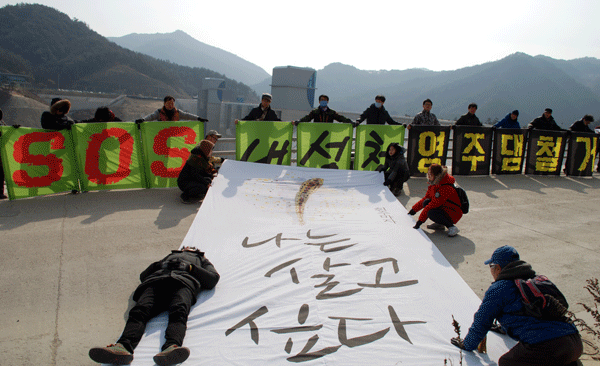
(324, 145)
(264, 142)
(372, 142)
(108, 155)
(37, 162)
(166, 147)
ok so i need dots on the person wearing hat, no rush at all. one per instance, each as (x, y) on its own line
(583, 125)
(509, 121)
(197, 174)
(171, 284)
(213, 136)
(169, 113)
(57, 119)
(545, 122)
(541, 342)
(263, 112)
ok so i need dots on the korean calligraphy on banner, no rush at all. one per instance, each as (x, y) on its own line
(509, 151)
(324, 145)
(545, 152)
(264, 142)
(471, 150)
(372, 142)
(427, 145)
(349, 281)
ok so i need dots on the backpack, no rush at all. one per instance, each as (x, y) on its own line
(462, 196)
(542, 299)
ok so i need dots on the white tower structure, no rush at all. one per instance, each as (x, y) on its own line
(293, 90)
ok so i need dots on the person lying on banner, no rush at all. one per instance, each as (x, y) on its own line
(57, 119)
(169, 113)
(441, 203)
(395, 169)
(197, 174)
(171, 284)
(545, 338)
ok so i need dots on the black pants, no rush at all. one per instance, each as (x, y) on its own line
(560, 351)
(192, 189)
(168, 294)
(438, 215)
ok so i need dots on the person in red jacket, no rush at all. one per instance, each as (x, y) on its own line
(441, 203)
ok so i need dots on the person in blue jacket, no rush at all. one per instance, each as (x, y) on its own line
(541, 342)
(509, 121)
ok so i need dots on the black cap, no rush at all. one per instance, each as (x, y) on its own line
(548, 110)
(515, 112)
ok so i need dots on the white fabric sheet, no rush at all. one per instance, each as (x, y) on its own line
(347, 281)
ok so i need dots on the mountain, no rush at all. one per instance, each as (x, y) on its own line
(61, 53)
(518, 81)
(180, 48)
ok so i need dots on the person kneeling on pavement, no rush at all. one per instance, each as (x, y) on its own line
(547, 341)
(197, 174)
(395, 169)
(172, 284)
(441, 203)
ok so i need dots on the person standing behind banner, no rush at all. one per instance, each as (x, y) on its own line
(441, 203)
(583, 125)
(169, 113)
(57, 119)
(197, 174)
(103, 114)
(376, 114)
(509, 121)
(425, 118)
(469, 119)
(323, 113)
(263, 112)
(541, 341)
(545, 122)
(395, 169)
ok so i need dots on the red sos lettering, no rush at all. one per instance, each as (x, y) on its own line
(22, 156)
(160, 147)
(92, 156)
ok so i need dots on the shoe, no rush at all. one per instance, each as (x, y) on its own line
(436, 226)
(452, 231)
(186, 200)
(114, 354)
(172, 356)
(3, 196)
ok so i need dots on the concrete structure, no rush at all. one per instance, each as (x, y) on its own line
(210, 98)
(293, 89)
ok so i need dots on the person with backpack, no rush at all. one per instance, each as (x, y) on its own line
(546, 338)
(441, 203)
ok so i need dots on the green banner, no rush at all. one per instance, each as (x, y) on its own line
(372, 142)
(166, 147)
(37, 162)
(324, 145)
(109, 155)
(264, 142)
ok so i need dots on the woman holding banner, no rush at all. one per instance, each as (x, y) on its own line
(197, 173)
(441, 203)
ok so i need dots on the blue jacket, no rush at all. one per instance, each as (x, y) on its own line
(501, 301)
(507, 122)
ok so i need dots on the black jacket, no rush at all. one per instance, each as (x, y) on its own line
(580, 126)
(376, 116)
(257, 112)
(543, 123)
(55, 122)
(395, 167)
(201, 276)
(197, 168)
(328, 115)
(468, 120)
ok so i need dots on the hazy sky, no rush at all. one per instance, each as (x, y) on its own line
(370, 35)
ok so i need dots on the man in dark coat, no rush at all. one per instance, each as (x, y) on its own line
(171, 284)
(57, 118)
(545, 122)
(583, 125)
(469, 119)
(324, 113)
(376, 114)
(263, 112)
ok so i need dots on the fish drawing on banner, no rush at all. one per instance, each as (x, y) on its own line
(306, 189)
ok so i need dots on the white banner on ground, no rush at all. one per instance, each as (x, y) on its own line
(319, 267)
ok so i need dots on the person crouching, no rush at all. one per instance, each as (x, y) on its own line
(395, 169)
(197, 174)
(441, 203)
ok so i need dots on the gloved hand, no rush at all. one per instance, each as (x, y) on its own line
(457, 342)
(386, 183)
(16, 126)
(202, 119)
(412, 212)
(294, 123)
(497, 328)
(223, 159)
(379, 168)
(138, 121)
(494, 128)
(355, 124)
(418, 225)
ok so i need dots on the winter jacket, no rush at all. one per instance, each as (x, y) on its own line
(201, 276)
(376, 116)
(56, 122)
(543, 123)
(442, 195)
(327, 115)
(176, 115)
(395, 167)
(502, 301)
(257, 112)
(197, 168)
(580, 126)
(468, 120)
(425, 119)
(508, 122)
